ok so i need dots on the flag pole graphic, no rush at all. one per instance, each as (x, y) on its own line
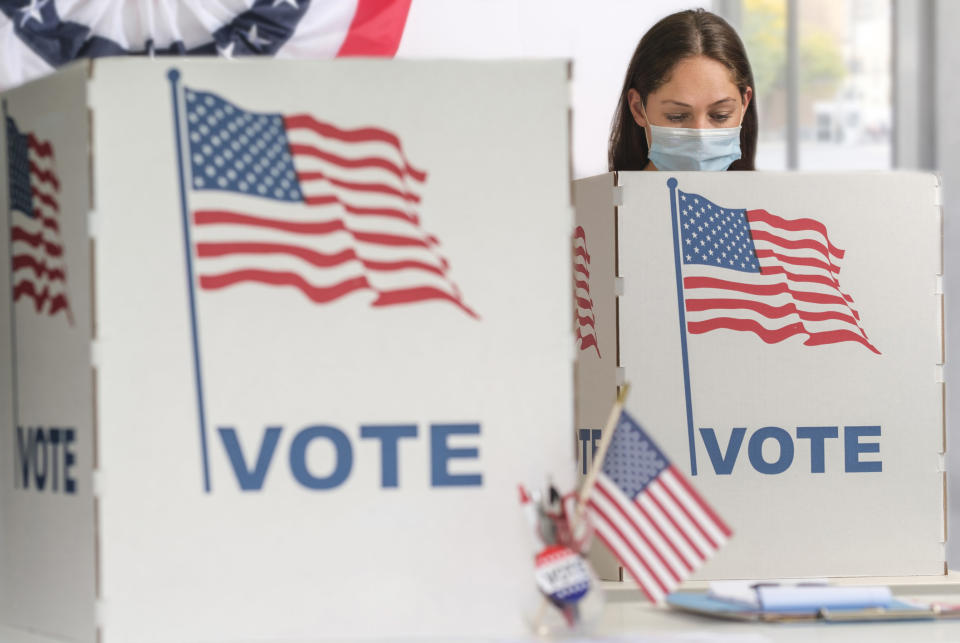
(174, 75)
(15, 403)
(675, 218)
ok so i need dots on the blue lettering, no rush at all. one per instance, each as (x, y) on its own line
(584, 436)
(250, 479)
(45, 458)
(852, 448)
(723, 463)
(389, 436)
(298, 457)
(69, 459)
(591, 437)
(39, 444)
(441, 454)
(817, 436)
(24, 455)
(755, 450)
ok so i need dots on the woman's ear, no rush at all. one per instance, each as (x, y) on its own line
(747, 95)
(636, 107)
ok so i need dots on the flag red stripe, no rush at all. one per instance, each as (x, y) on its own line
(579, 283)
(792, 244)
(636, 577)
(762, 289)
(770, 336)
(768, 311)
(376, 28)
(42, 149)
(587, 341)
(327, 199)
(207, 249)
(579, 267)
(686, 512)
(677, 527)
(318, 294)
(586, 304)
(683, 559)
(48, 222)
(797, 261)
(47, 176)
(639, 531)
(45, 199)
(36, 240)
(359, 135)
(215, 217)
(423, 293)
(365, 162)
(802, 278)
(586, 321)
(627, 544)
(324, 294)
(39, 267)
(773, 336)
(580, 251)
(28, 289)
(836, 336)
(707, 509)
(817, 279)
(794, 225)
(378, 188)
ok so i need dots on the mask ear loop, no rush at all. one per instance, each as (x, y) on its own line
(647, 137)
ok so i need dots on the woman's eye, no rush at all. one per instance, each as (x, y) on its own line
(720, 117)
(676, 118)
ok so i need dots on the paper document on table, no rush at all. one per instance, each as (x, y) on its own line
(805, 598)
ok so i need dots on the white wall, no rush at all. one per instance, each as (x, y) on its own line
(598, 36)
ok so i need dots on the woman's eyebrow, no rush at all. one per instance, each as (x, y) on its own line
(719, 102)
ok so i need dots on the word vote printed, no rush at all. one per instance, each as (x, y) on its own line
(781, 455)
(45, 458)
(251, 469)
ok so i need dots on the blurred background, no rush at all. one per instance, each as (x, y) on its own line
(841, 84)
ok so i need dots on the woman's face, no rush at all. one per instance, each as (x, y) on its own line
(700, 94)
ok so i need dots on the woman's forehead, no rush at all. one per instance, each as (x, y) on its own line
(697, 81)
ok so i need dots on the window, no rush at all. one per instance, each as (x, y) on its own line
(823, 75)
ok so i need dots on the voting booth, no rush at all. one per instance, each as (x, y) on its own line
(782, 335)
(283, 338)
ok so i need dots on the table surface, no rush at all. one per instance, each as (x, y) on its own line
(628, 617)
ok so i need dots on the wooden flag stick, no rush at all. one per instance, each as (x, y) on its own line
(605, 438)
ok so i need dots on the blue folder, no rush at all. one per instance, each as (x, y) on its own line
(704, 605)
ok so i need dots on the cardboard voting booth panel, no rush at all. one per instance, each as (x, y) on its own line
(313, 337)
(782, 334)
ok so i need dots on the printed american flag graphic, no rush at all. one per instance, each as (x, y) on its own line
(39, 270)
(586, 322)
(649, 516)
(291, 201)
(753, 271)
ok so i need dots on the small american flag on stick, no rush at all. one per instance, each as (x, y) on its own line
(647, 513)
(753, 271)
(39, 270)
(292, 201)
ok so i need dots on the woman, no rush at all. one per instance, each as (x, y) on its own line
(687, 100)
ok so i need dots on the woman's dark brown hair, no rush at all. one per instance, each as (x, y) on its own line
(678, 36)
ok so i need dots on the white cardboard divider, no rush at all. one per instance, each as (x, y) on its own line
(801, 394)
(331, 337)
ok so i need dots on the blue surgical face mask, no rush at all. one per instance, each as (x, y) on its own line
(684, 148)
